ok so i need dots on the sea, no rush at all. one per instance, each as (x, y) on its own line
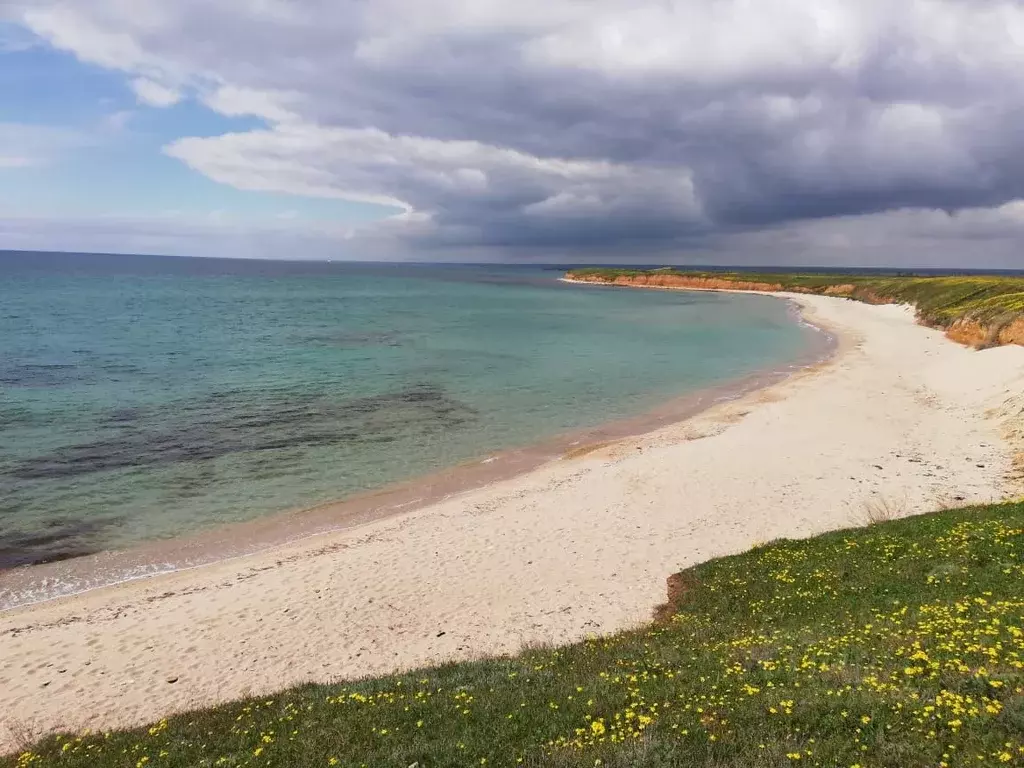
(151, 398)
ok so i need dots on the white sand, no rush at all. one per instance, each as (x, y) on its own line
(578, 547)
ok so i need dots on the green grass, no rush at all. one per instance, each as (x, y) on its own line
(895, 645)
(940, 301)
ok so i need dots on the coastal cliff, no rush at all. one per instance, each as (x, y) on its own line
(977, 311)
(654, 280)
(976, 334)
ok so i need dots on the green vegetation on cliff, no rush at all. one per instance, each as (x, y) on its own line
(897, 645)
(994, 302)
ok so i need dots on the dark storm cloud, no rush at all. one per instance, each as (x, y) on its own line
(554, 124)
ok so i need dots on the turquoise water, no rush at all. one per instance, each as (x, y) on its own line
(143, 398)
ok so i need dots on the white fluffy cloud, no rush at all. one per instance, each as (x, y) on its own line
(431, 175)
(560, 126)
(154, 94)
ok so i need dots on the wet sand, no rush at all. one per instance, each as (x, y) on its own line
(578, 545)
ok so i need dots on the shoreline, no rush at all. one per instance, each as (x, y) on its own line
(572, 548)
(32, 585)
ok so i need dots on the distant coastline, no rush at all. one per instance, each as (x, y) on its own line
(979, 311)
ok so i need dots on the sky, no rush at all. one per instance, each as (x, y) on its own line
(781, 132)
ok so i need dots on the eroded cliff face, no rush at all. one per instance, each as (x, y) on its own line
(1012, 333)
(975, 334)
(968, 332)
(678, 281)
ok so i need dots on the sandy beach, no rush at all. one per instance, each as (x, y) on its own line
(900, 417)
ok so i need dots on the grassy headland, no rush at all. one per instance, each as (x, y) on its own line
(980, 310)
(900, 644)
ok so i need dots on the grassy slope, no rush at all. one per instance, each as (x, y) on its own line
(896, 645)
(940, 300)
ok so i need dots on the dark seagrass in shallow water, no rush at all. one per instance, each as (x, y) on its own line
(225, 423)
(59, 540)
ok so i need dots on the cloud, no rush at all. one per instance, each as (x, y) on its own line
(629, 126)
(24, 145)
(116, 123)
(464, 186)
(237, 102)
(154, 94)
(15, 39)
(914, 237)
(971, 238)
(214, 235)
